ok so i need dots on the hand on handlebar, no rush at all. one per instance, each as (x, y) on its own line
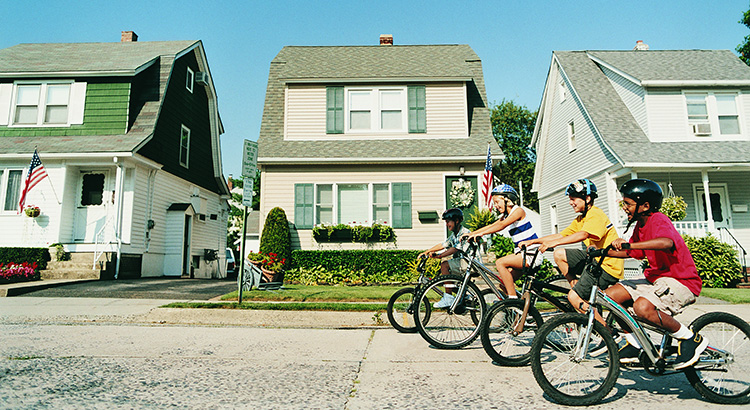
(620, 244)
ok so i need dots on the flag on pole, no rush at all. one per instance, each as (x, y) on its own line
(36, 174)
(487, 179)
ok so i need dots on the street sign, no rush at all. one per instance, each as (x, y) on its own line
(247, 192)
(249, 158)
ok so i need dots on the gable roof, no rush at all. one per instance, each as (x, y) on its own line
(616, 125)
(86, 60)
(372, 64)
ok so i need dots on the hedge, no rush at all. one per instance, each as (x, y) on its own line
(30, 255)
(371, 262)
(716, 261)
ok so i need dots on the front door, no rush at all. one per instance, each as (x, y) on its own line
(461, 192)
(719, 204)
(186, 267)
(94, 203)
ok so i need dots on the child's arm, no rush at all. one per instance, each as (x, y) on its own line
(656, 244)
(430, 253)
(551, 241)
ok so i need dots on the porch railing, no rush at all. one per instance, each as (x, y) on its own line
(101, 238)
(692, 228)
(725, 235)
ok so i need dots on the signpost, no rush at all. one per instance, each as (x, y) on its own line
(249, 170)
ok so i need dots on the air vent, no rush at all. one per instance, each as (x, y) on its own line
(201, 78)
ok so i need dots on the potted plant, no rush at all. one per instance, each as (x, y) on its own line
(674, 207)
(32, 211)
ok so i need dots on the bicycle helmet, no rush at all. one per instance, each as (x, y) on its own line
(642, 191)
(506, 191)
(453, 214)
(581, 188)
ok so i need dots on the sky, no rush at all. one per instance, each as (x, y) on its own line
(514, 39)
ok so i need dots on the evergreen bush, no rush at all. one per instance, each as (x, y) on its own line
(276, 238)
(716, 261)
(19, 255)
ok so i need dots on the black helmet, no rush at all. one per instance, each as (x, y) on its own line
(581, 189)
(453, 214)
(643, 190)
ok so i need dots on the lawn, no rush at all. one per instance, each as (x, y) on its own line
(729, 295)
(301, 293)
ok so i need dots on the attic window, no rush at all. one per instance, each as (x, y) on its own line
(184, 146)
(41, 104)
(561, 91)
(571, 136)
(190, 80)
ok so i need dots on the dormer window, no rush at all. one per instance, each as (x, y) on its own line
(712, 114)
(41, 104)
(377, 109)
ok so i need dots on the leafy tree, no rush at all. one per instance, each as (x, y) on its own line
(234, 224)
(744, 48)
(513, 127)
(276, 238)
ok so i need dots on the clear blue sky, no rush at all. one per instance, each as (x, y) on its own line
(514, 39)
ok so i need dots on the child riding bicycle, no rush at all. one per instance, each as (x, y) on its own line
(453, 218)
(513, 218)
(593, 228)
(671, 282)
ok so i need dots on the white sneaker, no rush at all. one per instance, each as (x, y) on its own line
(445, 302)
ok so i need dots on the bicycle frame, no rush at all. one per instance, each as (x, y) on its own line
(484, 273)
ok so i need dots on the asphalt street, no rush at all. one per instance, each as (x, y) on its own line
(143, 288)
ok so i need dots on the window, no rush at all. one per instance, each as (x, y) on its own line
(561, 91)
(712, 114)
(41, 104)
(361, 203)
(13, 190)
(190, 80)
(571, 136)
(726, 109)
(92, 189)
(697, 109)
(184, 146)
(553, 218)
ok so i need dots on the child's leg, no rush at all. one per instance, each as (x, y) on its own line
(508, 267)
(561, 260)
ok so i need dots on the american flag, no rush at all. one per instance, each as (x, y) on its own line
(487, 179)
(36, 174)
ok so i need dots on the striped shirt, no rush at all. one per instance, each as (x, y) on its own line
(521, 230)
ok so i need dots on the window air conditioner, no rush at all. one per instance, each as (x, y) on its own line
(701, 129)
(201, 78)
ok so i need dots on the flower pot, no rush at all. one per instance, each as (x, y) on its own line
(32, 212)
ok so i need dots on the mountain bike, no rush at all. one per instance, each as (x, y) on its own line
(575, 359)
(508, 328)
(457, 325)
(402, 304)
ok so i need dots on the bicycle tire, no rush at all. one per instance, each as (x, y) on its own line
(400, 310)
(723, 383)
(450, 330)
(489, 299)
(554, 366)
(498, 340)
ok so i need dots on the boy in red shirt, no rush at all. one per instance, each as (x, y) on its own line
(671, 282)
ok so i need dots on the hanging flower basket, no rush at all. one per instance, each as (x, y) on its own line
(674, 207)
(32, 211)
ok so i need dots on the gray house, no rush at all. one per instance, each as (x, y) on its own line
(361, 134)
(678, 117)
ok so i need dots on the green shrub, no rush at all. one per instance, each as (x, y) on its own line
(276, 238)
(30, 255)
(378, 266)
(501, 246)
(674, 207)
(716, 261)
(479, 218)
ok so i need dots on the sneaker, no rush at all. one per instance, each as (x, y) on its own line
(629, 354)
(689, 351)
(445, 302)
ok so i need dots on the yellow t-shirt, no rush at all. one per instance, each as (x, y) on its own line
(601, 233)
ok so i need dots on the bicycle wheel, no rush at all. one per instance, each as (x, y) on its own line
(728, 381)
(489, 299)
(401, 310)
(565, 378)
(447, 329)
(498, 332)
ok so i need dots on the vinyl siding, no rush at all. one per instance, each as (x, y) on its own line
(305, 114)
(560, 166)
(428, 194)
(632, 95)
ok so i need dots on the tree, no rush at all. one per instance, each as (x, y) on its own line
(234, 223)
(513, 127)
(744, 48)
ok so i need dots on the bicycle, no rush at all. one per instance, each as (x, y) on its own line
(569, 365)
(459, 324)
(508, 329)
(402, 304)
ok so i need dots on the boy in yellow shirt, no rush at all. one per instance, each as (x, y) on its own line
(593, 228)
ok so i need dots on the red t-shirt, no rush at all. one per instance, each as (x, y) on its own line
(676, 264)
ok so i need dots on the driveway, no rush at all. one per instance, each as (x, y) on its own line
(144, 288)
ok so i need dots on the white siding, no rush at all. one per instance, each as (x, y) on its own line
(305, 114)
(667, 116)
(560, 166)
(428, 194)
(632, 95)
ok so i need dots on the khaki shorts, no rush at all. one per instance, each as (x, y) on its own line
(667, 294)
(457, 266)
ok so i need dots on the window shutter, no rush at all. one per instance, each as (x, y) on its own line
(417, 116)
(335, 110)
(77, 103)
(401, 201)
(6, 94)
(303, 206)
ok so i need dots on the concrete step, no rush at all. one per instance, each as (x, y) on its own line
(70, 274)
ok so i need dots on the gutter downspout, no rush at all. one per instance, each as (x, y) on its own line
(118, 218)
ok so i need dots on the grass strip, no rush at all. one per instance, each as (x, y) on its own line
(735, 296)
(315, 306)
(301, 293)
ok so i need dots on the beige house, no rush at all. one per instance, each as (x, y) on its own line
(362, 134)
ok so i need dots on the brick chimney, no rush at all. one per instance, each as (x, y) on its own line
(386, 39)
(128, 37)
(640, 46)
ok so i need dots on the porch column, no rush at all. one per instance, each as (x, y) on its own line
(707, 200)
